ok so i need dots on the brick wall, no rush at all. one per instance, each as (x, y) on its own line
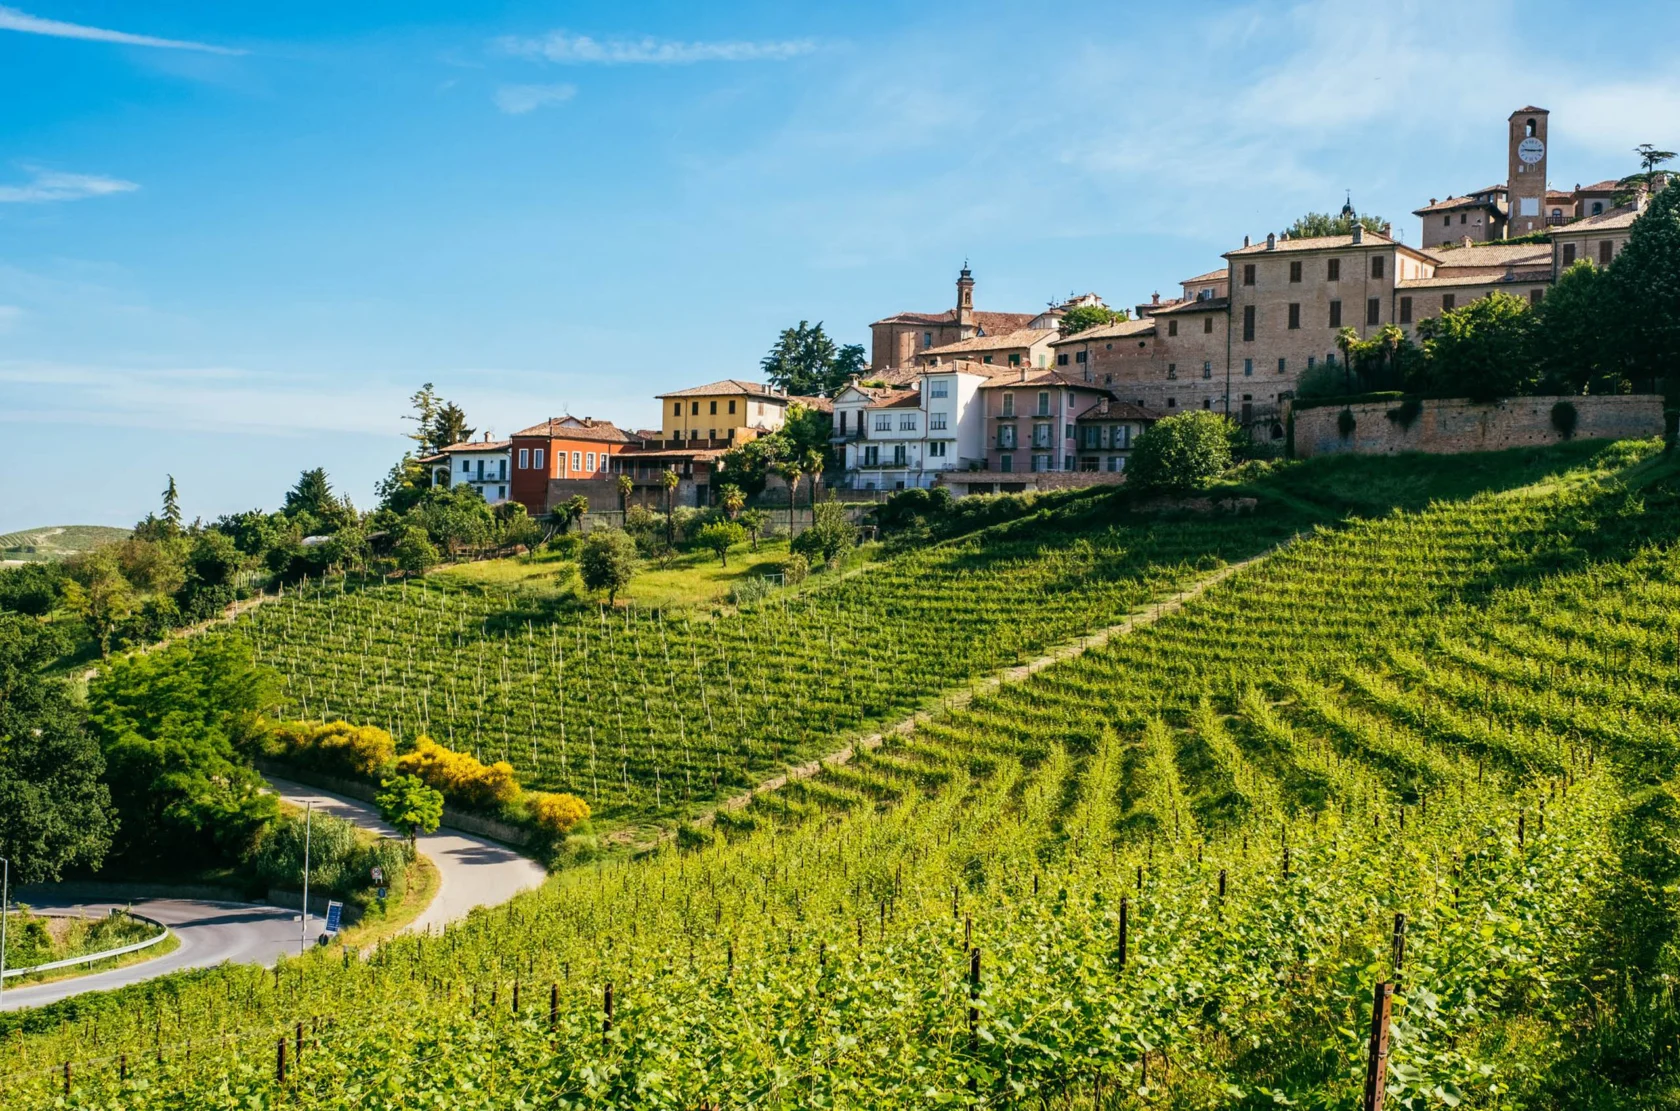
(1454, 425)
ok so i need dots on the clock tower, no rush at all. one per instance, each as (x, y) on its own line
(1527, 160)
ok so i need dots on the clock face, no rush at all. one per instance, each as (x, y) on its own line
(1531, 150)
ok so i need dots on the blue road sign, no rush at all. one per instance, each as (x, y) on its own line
(335, 914)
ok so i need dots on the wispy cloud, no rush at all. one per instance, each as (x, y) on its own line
(13, 20)
(51, 185)
(560, 46)
(516, 100)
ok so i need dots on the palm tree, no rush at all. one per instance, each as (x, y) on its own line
(1391, 337)
(814, 468)
(792, 470)
(626, 485)
(669, 479)
(733, 501)
(1347, 339)
(576, 506)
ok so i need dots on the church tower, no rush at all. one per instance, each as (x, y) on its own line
(1527, 155)
(965, 303)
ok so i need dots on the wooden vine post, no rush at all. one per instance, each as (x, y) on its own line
(280, 1060)
(607, 1008)
(1125, 912)
(1376, 1065)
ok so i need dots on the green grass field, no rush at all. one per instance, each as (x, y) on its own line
(56, 542)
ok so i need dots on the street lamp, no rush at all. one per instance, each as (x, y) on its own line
(5, 895)
(303, 927)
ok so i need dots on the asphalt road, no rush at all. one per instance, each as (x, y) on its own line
(472, 872)
(210, 933)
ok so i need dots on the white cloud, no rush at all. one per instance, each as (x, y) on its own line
(51, 185)
(558, 46)
(13, 20)
(516, 100)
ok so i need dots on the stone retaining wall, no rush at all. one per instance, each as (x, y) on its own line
(1447, 426)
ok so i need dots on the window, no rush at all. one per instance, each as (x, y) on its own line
(1449, 302)
(1207, 402)
(1014, 360)
(1040, 462)
(1172, 402)
(577, 461)
(1283, 366)
(871, 456)
(1598, 208)
(1376, 266)
(1248, 368)
(1248, 323)
(1335, 314)
(936, 449)
(1207, 369)
(694, 409)
(1044, 403)
(1528, 128)
(676, 408)
(1006, 437)
(1294, 315)
(927, 339)
(1092, 436)
(589, 462)
(1067, 432)
(1464, 217)
(1172, 371)
(936, 422)
(1006, 462)
(939, 387)
(1605, 248)
(1295, 271)
(843, 416)
(1405, 310)
(1079, 356)
(1528, 206)
(1447, 220)
(501, 467)
(501, 491)
(883, 422)
(1333, 270)
(987, 359)
(711, 434)
(1568, 253)
(1172, 327)
(1041, 435)
(907, 422)
(1207, 325)
(1008, 404)
(1534, 296)
(465, 466)
(1248, 273)
(898, 455)
(714, 408)
(1115, 463)
(732, 408)
(1310, 362)
(1373, 310)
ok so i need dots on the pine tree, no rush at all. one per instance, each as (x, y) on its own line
(312, 494)
(172, 505)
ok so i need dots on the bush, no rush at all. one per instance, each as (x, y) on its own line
(566, 544)
(33, 588)
(1185, 452)
(556, 814)
(1345, 423)
(831, 534)
(607, 561)
(340, 862)
(1406, 413)
(461, 778)
(748, 590)
(1565, 418)
(794, 569)
(335, 747)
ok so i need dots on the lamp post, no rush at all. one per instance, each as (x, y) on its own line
(5, 895)
(303, 928)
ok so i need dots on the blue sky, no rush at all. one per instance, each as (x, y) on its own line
(235, 237)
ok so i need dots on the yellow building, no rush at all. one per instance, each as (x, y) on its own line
(722, 413)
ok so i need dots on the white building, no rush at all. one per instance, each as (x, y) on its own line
(901, 437)
(481, 464)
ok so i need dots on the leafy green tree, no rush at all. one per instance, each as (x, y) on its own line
(312, 494)
(174, 725)
(1644, 181)
(404, 485)
(669, 479)
(626, 486)
(98, 593)
(426, 404)
(805, 361)
(516, 528)
(1316, 224)
(214, 559)
(408, 804)
(720, 536)
(1082, 318)
(575, 506)
(1644, 284)
(54, 811)
(748, 465)
(449, 426)
(31, 588)
(455, 517)
(754, 520)
(1180, 453)
(830, 536)
(1483, 351)
(414, 553)
(607, 561)
(1570, 332)
(732, 500)
(172, 504)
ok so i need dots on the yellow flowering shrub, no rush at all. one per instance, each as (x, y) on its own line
(338, 747)
(556, 813)
(461, 777)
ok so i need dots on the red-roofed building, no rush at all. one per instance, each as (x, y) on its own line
(577, 448)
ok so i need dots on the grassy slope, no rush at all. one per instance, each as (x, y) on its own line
(57, 541)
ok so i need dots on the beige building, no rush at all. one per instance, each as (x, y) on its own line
(1028, 347)
(1598, 239)
(1480, 216)
(723, 413)
(897, 341)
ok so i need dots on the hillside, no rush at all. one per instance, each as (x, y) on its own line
(56, 542)
(1164, 873)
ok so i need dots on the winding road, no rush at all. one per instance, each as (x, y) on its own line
(472, 872)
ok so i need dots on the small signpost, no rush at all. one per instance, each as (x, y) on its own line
(378, 875)
(335, 917)
(382, 892)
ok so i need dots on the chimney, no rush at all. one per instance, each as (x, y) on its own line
(1271, 241)
(1358, 231)
(1465, 241)
(1432, 200)
(1023, 374)
(1154, 298)
(1245, 241)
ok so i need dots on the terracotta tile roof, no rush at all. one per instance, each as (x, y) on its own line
(1043, 378)
(1204, 304)
(1110, 408)
(1023, 337)
(1609, 221)
(897, 399)
(820, 404)
(1490, 254)
(698, 455)
(897, 376)
(1452, 204)
(476, 445)
(991, 322)
(1558, 195)
(1120, 329)
(1610, 186)
(1530, 108)
(1497, 187)
(1210, 276)
(1319, 243)
(1450, 279)
(727, 386)
(576, 428)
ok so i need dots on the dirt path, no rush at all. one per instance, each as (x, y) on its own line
(1137, 619)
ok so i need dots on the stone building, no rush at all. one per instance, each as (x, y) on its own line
(897, 340)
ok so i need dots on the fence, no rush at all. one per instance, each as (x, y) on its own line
(90, 958)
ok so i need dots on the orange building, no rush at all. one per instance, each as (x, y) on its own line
(561, 447)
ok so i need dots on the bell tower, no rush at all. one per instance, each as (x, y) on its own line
(1526, 154)
(965, 303)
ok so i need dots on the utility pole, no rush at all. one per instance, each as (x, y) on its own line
(303, 928)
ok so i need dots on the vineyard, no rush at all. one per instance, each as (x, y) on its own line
(643, 714)
(1437, 748)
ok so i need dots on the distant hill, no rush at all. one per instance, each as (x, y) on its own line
(56, 542)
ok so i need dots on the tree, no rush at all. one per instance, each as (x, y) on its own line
(426, 405)
(312, 494)
(1316, 224)
(214, 558)
(792, 470)
(575, 506)
(517, 530)
(607, 561)
(415, 553)
(813, 460)
(450, 427)
(1570, 331)
(1483, 351)
(1082, 318)
(1644, 284)
(669, 479)
(1180, 453)
(626, 486)
(754, 520)
(404, 485)
(408, 804)
(748, 465)
(31, 588)
(830, 535)
(54, 811)
(805, 361)
(732, 500)
(172, 505)
(1645, 180)
(99, 594)
(175, 726)
(720, 536)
